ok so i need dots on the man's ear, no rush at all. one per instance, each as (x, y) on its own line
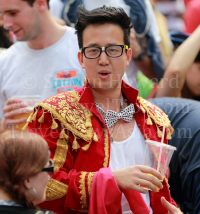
(128, 56)
(41, 5)
(27, 183)
(81, 60)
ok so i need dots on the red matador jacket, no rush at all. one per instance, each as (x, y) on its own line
(79, 142)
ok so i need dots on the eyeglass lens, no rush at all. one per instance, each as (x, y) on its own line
(112, 51)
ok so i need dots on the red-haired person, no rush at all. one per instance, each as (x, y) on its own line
(25, 171)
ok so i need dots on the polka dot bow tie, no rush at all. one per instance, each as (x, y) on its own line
(112, 117)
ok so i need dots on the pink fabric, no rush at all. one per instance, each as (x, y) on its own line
(106, 196)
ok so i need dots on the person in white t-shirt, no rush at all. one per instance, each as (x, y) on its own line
(43, 61)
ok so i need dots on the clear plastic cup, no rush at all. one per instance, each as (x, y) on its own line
(31, 101)
(158, 156)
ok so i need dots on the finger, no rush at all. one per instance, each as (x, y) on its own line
(148, 185)
(152, 171)
(152, 179)
(15, 122)
(16, 112)
(13, 100)
(140, 189)
(169, 206)
(11, 106)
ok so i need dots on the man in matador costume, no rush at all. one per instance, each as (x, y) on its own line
(97, 134)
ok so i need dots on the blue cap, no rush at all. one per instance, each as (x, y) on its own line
(178, 38)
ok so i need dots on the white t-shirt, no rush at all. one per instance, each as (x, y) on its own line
(44, 72)
(56, 7)
(127, 153)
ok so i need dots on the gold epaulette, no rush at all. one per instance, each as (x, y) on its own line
(72, 115)
(156, 115)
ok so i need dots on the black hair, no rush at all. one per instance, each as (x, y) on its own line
(31, 2)
(102, 15)
(4, 39)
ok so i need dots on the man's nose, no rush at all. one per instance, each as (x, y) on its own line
(103, 58)
(7, 22)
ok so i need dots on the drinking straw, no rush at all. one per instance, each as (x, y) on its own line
(163, 134)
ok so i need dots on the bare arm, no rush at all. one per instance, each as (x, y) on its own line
(183, 58)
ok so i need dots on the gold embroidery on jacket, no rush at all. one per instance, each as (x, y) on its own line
(73, 115)
(105, 164)
(55, 190)
(83, 190)
(90, 178)
(82, 211)
(157, 115)
(60, 153)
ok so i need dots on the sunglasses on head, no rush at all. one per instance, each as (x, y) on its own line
(49, 169)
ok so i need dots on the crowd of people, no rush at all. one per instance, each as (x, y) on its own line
(82, 147)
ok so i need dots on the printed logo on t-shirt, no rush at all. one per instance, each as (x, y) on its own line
(67, 80)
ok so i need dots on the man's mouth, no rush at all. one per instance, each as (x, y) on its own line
(16, 31)
(104, 74)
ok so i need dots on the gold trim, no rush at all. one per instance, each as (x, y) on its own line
(41, 119)
(149, 121)
(35, 115)
(60, 153)
(154, 112)
(54, 125)
(87, 146)
(83, 190)
(157, 115)
(75, 144)
(30, 117)
(106, 145)
(82, 211)
(90, 178)
(63, 135)
(87, 136)
(95, 137)
(55, 190)
(24, 128)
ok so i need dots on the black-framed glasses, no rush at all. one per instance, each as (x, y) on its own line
(50, 168)
(111, 51)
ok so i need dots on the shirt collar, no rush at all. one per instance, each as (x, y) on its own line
(87, 98)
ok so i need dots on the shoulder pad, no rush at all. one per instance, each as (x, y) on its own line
(73, 116)
(157, 115)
